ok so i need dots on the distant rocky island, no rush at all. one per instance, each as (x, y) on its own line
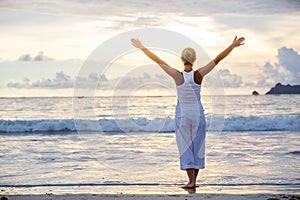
(255, 93)
(284, 89)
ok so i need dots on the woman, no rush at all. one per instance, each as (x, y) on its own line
(189, 115)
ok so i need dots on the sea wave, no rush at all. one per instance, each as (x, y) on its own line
(232, 123)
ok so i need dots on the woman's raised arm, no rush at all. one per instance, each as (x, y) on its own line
(174, 73)
(207, 68)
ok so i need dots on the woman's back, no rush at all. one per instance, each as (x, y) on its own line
(188, 94)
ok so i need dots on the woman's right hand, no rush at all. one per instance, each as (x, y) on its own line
(137, 43)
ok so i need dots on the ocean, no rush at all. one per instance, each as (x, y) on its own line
(119, 141)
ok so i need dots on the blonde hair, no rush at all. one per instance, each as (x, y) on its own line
(189, 55)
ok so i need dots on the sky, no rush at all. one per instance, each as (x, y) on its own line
(44, 44)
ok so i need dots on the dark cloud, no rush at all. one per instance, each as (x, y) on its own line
(39, 57)
(25, 57)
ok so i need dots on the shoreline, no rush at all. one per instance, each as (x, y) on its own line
(154, 196)
(144, 190)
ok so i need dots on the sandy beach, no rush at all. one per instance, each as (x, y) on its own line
(150, 192)
(158, 197)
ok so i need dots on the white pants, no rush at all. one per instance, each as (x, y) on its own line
(190, 138)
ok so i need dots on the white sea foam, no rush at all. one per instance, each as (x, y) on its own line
(232, 123)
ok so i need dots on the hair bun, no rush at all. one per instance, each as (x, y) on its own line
(189, 54)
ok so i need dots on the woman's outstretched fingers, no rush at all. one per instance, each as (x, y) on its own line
(234, 39)
(241, 40)
(133, 41)
(136, 42)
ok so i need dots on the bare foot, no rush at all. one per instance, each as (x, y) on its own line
(190, 190)
(189, 185)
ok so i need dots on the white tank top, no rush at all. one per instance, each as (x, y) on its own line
(188, 94)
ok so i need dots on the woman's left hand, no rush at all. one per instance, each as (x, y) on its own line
(238, 42)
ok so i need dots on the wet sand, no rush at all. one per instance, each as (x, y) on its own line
(150, 197)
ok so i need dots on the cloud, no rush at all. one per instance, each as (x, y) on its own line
(272, 73)
(85, 20)
(61, 80)
(192, 7)
(93, 80)
(235, 14)
(39, 57)
(25, 57)
(289, 59)
(144, 80)
(286, 70)
(229, 79)
(132, 13)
